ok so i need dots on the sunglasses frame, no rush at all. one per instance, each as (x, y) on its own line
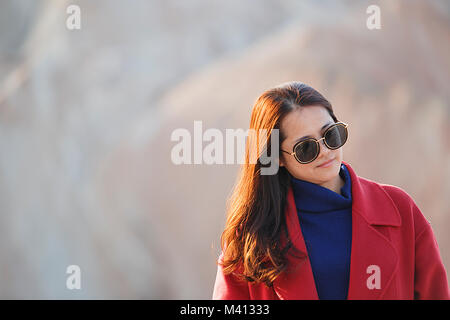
(345, 125)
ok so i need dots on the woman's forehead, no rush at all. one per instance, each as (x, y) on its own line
(305, 121)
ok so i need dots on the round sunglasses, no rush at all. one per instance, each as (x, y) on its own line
(307, 150)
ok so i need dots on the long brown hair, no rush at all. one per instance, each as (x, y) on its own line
(255, 216)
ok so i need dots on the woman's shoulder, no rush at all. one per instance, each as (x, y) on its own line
(406, 206)
(397, 194)
(400, 198)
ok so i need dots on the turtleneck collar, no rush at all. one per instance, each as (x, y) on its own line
(311, 197)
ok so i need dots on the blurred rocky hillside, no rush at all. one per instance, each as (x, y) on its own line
(86, 117)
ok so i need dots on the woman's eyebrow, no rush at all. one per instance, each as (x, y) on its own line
(326, 125)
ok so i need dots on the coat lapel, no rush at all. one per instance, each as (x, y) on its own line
(374, 260)
(372, 255)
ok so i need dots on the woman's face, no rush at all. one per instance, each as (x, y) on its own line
(308, 121)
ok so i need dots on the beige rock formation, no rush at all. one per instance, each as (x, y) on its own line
(86, 120)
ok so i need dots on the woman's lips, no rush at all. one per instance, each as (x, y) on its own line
(326, 164)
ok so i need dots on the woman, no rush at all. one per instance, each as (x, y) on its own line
(316, 230)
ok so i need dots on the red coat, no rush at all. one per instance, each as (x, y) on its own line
(394, 253)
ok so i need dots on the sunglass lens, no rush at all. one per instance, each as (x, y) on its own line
(336, 136)
(306, 150)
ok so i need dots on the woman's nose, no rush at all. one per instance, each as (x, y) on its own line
(323, 147)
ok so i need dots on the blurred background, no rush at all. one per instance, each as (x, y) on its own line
(86, 176)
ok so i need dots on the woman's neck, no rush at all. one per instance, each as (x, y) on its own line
(335, 185)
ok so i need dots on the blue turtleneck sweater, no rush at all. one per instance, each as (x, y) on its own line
(326, 223)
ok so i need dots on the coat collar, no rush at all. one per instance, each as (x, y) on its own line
(373, 212)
